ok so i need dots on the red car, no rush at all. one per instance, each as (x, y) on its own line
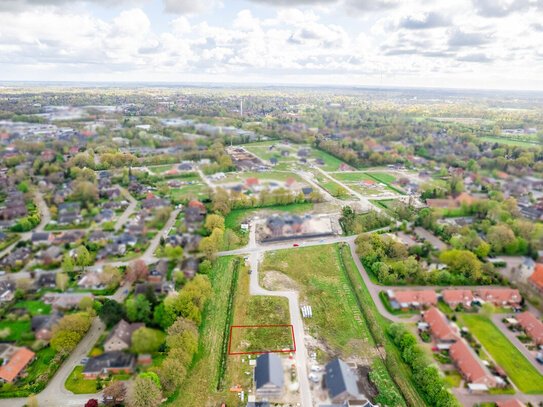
(295, 244)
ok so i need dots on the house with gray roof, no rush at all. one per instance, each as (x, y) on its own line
(341, 382)
(269, 376)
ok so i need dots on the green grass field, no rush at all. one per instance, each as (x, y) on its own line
(510, 141)
(77, 384)
(331, 163)
(352, 176)
(193, 191)
(16, 329)
(161, 168)
(35, 307)
(517, 367)
(260, 310)
(316, 270)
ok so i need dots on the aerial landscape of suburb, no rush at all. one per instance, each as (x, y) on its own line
(258, 203)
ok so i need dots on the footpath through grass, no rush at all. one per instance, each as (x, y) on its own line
(518, 368)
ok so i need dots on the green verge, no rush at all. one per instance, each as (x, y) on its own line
(378, 325)
(518, 368)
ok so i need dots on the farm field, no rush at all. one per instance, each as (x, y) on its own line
(200, 386)
(517, 367)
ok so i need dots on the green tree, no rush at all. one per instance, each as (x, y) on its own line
(83, 257)
(65, 341)
(61, 280)
(67, 264)
(23, 187)
(111, 312)
(214, 221)
(146, 340)
(143, 392)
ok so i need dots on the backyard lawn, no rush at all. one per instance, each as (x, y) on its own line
(331, 163)
(77, 384)
(16, 329)
(517, 367)
(35, 307)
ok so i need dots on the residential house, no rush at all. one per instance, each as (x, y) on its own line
(454, 298)
(7, 290)
(46, 280)
(120, 336)
(111, 249)
(158, 271)
(90, 281)
(16, 363)
(500, 297)
(536, 279)
(68, 213)
(99, 236)
(109, 362)
(42, 325)
(105, 215)
(341, 382)
(470, 367)
(194, 217)
(269, 376)
(190, 267)
(39, 238)
(417, 299)
(532, 326)
(307, 190)
(526, 268)
(153, 202)
(441, 329)
(16, 258)
(69, 236)
(164, 287)
(64, 300)
(52, 254)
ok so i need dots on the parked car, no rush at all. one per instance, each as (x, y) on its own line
(295, 245)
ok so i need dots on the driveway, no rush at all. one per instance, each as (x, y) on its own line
(129, 210)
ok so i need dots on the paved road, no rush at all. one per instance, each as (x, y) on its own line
(129, 210)
(301, 359)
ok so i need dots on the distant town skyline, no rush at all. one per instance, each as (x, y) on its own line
(478, 44)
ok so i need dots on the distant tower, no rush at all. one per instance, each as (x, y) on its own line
(241, 108)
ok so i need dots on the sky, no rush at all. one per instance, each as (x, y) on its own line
(478, 44)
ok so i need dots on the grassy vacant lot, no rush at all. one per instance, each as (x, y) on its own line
(193, 191)
(332, 187)
(260, 310)
(35, 307)
(324, 287)
(264, 153)
(262, 176)
(508, 141)
(331, 163)
(161, 168)
(517, 367)
(352, 176)
(200, 387)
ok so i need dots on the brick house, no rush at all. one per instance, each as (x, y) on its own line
(109, 362)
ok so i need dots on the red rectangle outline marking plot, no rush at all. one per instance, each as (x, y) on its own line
(260, 326)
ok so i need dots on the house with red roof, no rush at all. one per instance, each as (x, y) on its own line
(197, 204)
(251, 182)
(16, 364)
(454, 298)
(369, 182)
(500, 296)
(532, 326)
(470, 367)
(536, 279)
(406, 299)
(440, 328)
(48, 155)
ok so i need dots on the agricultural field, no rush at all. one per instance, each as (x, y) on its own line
(517, 367)
(511, 141)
